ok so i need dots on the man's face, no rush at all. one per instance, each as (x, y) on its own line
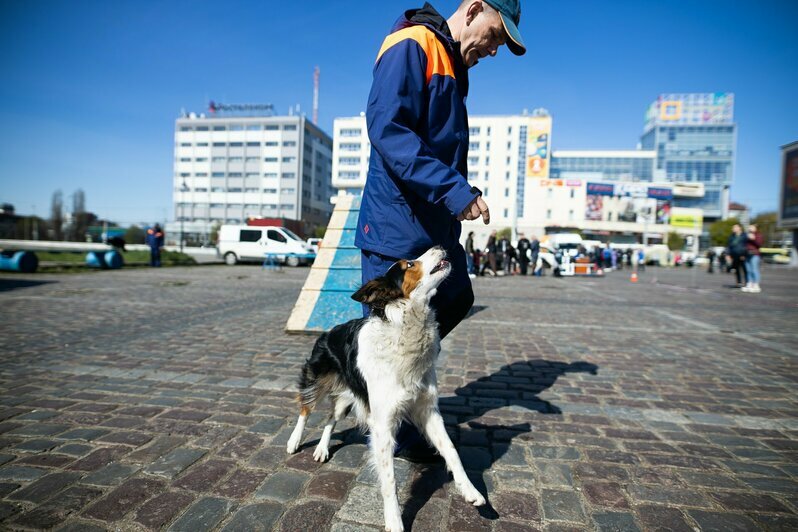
(483, 34)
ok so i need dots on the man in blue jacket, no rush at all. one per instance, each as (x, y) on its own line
(416, 192)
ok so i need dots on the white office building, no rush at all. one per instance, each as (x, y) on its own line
(230, 168)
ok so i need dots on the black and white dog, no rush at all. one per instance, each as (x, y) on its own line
(383, 368)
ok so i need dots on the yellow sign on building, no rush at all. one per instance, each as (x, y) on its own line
(538, 147)
(685, 218)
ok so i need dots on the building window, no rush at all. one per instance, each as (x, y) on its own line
(251, 159)
(185, 144)
(202, 128)
(289, 191)
(270, 174)
(234, 189)
(473, 131)
(201, 189)
(201, 174)
(217, 174)
(217, 189)
(505, 213)
(219, 128)
(234, 174)
(349, 161)
(236, 144)
(548, 214)
(219, 144)
(289, 175)
(289, 143)
(270, 191)
(485, 192)
(506, 192)
(473, 161)
(571, 214)
(290, 127)
(217, 159)
(351, 132)
(289, 159)
(270, 159)
(202, 144)
(271, 143)
(253, 127)
(253, 144)
(350, 146)
(201, 159)
(272, 128)
(235, 159)
(185, 159)
(573, 191)
(286, 205)
(550, 193)
(250, 190)
(473, 146)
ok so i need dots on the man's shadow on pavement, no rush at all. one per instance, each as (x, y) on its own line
(514, 385)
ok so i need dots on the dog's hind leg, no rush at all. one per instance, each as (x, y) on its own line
(430, 421)
(296, 436)
(341, 406)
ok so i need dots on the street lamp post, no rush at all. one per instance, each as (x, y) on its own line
(183, 190)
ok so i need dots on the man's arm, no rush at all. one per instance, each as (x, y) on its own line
(396, 106)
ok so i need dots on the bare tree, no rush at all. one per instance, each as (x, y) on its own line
(80, 222)
(57, 215)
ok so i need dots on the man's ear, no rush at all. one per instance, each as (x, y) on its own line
(377, 292)
(474, 9)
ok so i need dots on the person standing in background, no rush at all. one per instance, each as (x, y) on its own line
(523, 253)
(737, 250)
(155, 239)
(753, 241)
(469, 249)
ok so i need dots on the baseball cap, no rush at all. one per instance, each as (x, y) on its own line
(510, 11)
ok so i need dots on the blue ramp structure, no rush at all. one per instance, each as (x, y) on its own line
(335, 275)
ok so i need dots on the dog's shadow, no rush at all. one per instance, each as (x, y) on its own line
(514, 385)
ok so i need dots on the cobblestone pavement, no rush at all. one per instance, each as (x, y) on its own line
(162, 399)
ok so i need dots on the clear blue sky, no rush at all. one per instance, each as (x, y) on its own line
(90, 89)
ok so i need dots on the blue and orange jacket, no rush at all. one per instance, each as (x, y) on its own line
(418, 128)
(154, 238)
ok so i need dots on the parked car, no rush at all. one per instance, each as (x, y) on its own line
(242, 243)
(314, 243)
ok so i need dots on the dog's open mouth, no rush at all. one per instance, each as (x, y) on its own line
(442, 265)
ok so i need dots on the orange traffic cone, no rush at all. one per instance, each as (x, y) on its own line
(634, 277)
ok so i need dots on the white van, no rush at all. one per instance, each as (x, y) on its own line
(240, 243)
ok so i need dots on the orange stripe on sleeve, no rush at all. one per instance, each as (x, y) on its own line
(438, 60)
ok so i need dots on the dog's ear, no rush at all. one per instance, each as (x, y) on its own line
(377, 292)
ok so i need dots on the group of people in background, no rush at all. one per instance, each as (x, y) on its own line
(743, 256)
(500, 257)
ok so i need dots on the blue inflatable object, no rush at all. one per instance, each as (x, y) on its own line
(104, 259)
(113, 260)
(95, 259)
(19, 261)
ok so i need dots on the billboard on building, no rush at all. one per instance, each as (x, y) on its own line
(685, 218)
(691, 109)
(788, 206)
(628, 202)
(538, 146)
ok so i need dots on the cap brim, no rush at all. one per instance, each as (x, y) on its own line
(515, 43)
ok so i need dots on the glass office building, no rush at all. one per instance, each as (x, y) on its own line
(632, 165)
(694, 137)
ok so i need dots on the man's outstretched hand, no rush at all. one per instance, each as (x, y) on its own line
(475, 209)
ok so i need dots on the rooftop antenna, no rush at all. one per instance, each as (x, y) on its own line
(316, 96)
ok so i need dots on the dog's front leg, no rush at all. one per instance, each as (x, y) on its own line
(382, 444)
(430, 420)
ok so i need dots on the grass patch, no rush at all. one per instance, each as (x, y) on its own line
(72, 259)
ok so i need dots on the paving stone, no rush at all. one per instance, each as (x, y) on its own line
(554, 453)
(123, 499)
(75, 449)
(240, 483)
(267, 426)
(173, 463)
(749, 502)
(204, 514)
(205, 475)
(159, 446)
(349, 456)
(13, 472)
(241, 447)
(135, 439)
(554, 473)
(37, 445)
(282, 486)
(516, 505)
(362, 506)
(56, 509)
(605, 494)
(330, 485)
(38, 429)
(308, 516)
(7, 509)
(662, 518)
(562, 506)
(7, 487)
(615, 522)
(161, 509)
(45, 487)
(111, 475)
(81, 526)
(515, 480)
(83, 434)
(718, 522)
(98, 458)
